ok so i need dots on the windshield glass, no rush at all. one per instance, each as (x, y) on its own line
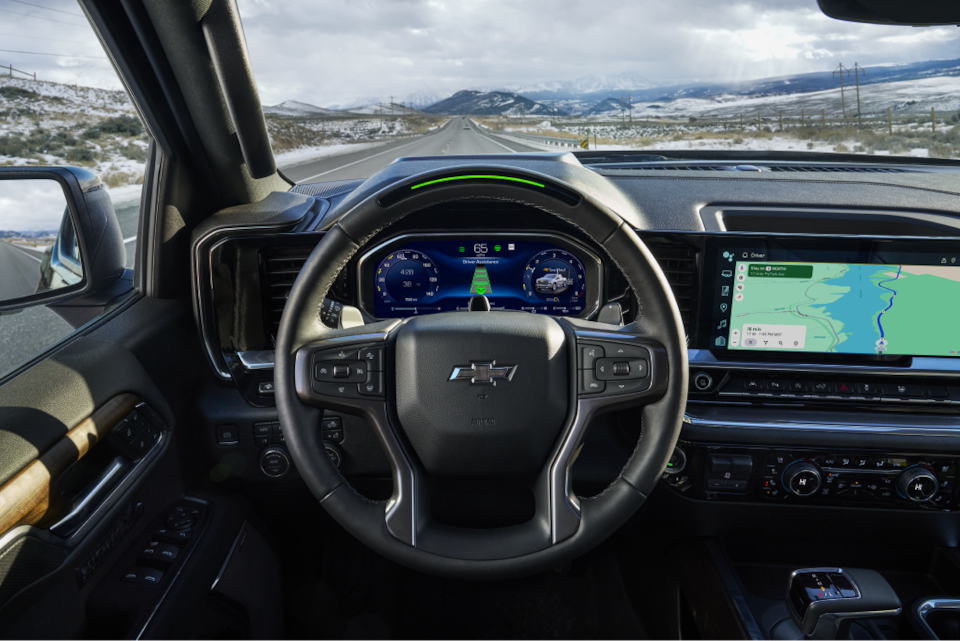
(444, 78)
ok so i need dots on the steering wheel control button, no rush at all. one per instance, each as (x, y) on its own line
(345, 389)
(274, 462)
(625, 386)
(373, 357)
(373, 385)
(333, 454)
(613, 369)
(340, 371)
(331, 423)
(589, 355)
(619, 351)
(344, 372)
(590, 384)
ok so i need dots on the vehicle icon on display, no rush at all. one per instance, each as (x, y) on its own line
(552, 282)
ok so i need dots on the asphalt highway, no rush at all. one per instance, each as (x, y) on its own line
(458, 136)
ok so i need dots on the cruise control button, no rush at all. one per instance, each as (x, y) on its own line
(590, 384)
(337, 354)
(348, 372)
(373, 386)
(373, 357)
(332, 423)
(344, 390)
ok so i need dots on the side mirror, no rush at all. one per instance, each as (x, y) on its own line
(60, 243)
(916, 13)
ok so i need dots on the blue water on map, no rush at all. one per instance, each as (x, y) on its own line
(857, 309)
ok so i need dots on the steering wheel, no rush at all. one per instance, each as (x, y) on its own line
(445, 392)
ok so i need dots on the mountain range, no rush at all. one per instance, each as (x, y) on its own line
(602, 95)
(490, 103)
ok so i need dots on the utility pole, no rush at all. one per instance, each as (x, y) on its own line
(843, 104)
(741, 122)
(391, 105)
(630, 105)
(890, 120)
(933, 118)
(823, 120)
(781, 120)
(857, 70)
(623, 118)
(803, 120)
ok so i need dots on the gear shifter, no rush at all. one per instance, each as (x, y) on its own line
(821, 600)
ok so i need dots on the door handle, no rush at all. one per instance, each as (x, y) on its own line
(93, 495)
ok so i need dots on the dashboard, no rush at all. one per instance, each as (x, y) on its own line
(419, 274)
(811, 356)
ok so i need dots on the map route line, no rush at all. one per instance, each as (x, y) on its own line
(881, 284)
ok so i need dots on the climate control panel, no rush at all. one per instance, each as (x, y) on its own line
(868, 479)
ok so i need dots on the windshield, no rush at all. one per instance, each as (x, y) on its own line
(347, 87)
(446, 78)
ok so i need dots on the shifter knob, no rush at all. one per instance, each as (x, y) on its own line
(802, 478)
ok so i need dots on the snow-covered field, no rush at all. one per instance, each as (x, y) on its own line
(46, 123)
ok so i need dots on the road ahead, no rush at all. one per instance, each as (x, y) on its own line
(459, 136)
(21, 271)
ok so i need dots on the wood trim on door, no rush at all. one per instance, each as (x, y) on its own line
(27, 499)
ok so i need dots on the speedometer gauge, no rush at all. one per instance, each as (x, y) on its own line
(555, 276)
(407, 277)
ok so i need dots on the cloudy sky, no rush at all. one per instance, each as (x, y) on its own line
(330, 52)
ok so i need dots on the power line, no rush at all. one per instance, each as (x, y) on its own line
(30, 15)
(40, 6)
(17, 35)
(61, 55)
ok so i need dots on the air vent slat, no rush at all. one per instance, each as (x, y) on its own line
(679, 264)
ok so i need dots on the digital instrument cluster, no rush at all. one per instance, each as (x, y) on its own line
(414, 275)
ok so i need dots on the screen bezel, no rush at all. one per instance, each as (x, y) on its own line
(367, 264)
(812, 248)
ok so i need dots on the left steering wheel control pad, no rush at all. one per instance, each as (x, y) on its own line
(349, 372)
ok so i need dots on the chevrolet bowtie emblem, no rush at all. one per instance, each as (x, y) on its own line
(478, 373)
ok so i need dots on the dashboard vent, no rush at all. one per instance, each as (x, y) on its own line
(279, 269)
(679, 265)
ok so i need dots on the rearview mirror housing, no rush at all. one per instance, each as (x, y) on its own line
(79, 268)
(916, 13)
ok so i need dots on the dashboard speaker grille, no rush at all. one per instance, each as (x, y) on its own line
(679, 265)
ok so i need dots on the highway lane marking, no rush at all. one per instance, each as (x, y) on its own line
(129, 240)
(359, 161)
(512, 151)
(26, 252)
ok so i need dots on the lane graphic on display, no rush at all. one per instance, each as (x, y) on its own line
(480, 284)
(846, 308)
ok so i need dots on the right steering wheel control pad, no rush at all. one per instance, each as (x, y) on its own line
(607, 368)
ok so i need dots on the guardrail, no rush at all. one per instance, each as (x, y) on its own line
(543, 140)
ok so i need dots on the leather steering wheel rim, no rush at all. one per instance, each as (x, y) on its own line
(659, 324)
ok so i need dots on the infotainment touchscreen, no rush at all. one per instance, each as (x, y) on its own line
(908, 307)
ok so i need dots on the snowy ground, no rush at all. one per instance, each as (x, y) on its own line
(306, 154)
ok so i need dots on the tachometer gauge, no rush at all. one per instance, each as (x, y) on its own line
(555, 276)
(407, 277)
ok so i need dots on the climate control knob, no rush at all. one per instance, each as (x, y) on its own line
(801, 478)
(918, 484)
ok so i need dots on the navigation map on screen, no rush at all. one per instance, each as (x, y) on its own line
(846, 308)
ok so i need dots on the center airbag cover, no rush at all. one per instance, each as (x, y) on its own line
(474, 428)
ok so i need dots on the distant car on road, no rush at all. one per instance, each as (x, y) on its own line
(552, 282)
